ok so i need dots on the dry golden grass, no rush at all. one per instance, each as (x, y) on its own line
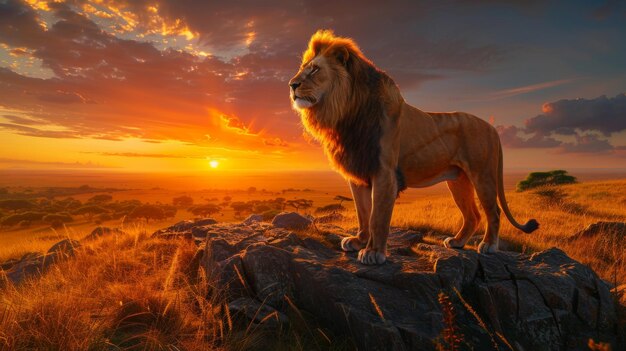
(133, 292)
(129, 292)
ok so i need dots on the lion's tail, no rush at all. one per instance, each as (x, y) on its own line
(532, 224)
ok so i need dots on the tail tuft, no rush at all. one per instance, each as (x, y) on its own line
(530, 226)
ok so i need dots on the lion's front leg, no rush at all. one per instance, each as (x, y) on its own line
(363, 203)
(384, 191)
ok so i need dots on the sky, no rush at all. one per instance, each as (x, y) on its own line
(171, 85)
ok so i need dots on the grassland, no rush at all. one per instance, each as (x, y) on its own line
(135, 292)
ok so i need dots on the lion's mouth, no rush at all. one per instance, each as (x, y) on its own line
(302, 102)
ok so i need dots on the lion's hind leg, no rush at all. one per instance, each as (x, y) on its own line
(486, 191)
(462, 191)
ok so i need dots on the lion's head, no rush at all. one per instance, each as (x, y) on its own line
(331, 78)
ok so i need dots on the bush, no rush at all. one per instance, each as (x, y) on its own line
(537, 179)
(330, 208)
(147, 212)
(17, 218)
(182, 201)
(57, 217)
(16, 205)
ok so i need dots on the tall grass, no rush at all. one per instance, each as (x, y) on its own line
(126, 292)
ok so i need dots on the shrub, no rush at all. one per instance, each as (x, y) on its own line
(57, 217)
(537, 179)
(330, 208)
(205, 210)
(182, 201)
(269, 215)
(147, 212)
(17, 218)
(16, 205)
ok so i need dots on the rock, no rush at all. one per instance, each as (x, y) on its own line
(291, 220)
(100, 232)
(253, 218)
(182, 228)
(543, 301)
(64, 248)
(253, 310)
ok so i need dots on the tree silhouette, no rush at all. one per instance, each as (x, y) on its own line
(205, 210)
(342, 198)
(147, 212)
(16, 205)
(183, 201)
(537, 179)
(300, 204)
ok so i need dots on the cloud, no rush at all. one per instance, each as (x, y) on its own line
(606, 115)
(584, 120)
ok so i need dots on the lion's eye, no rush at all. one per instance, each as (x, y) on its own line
(315, 70)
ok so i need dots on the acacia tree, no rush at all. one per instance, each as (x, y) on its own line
(205, 210)
(183, 201)
(341, 199)
(147, 212)
(537, 179)
(300, 204)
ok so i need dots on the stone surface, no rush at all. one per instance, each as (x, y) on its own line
(543, 301)
(253, 218)
(291, 220)
(183, 228)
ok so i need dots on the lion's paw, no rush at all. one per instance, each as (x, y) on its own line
(372, 257)
(452, 243)
(351, 243)
(486, 248)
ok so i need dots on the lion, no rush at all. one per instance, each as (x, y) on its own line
(381, 145)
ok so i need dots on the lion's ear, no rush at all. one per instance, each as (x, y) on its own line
(342, 55)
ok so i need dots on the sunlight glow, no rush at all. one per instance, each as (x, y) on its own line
(214, 163)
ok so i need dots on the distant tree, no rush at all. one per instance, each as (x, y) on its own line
(147, 212)
(241, 207)
(537, 179)
(16, 205)
(227, 198)
(14, 219)
(183, 201)
(105, 217)
(84, 187)
(69, 203)
(300, 204)
(4, 191)
(341, 199)
(169, 211)
(101, 198)
(205, 210)
(57, 217)
(252, 190)
(89, 211)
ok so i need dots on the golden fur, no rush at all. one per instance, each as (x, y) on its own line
(381, 145)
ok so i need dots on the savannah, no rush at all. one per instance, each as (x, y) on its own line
(195, 175)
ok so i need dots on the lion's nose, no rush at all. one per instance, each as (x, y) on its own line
(294, 85)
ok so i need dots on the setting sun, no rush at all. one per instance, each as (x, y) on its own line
(214, 163)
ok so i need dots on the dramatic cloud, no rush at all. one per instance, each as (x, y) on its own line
(579, 118)
(606, 115)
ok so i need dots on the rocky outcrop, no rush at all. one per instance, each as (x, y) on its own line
(291, 220)
(543, 301)
(35, 263)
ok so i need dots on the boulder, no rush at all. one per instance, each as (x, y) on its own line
(291, 221)
(63, 249)
(183, 228)
(543, 301)
(253, 218)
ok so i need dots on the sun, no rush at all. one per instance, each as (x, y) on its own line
(214, 163)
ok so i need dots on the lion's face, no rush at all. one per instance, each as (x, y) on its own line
(313, 82)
